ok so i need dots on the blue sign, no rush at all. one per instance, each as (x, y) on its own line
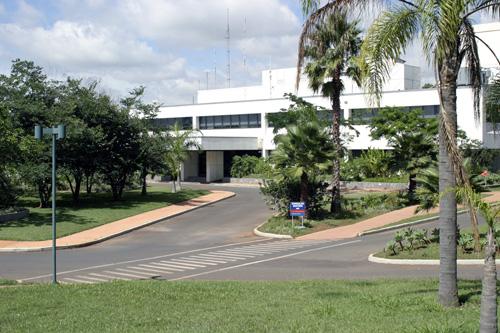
(297, 209)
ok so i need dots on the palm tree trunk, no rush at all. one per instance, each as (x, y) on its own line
(448, 289)
(488, 322)
(174, 190)
(179, 179)
(335, 206)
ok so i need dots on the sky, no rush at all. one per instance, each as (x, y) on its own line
(171, 47)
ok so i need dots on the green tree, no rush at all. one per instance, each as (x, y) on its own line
(412, 138)
(179, 143)
(330, 53)
(151, 160)
(303, 153)
(448, 40)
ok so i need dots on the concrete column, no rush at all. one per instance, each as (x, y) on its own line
(190, 167)
(215, 165)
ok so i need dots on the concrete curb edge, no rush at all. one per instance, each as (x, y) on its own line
(102, 239)
(426, 262)
(269, 235)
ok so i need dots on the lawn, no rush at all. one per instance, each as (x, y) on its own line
(302, 306)
(429, 252)
(92, 211)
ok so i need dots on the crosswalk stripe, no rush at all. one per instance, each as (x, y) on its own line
(91, 278)
(189, 263)
(78, 280)
(135, 273)
(230, 255)
(110, 276)
(128, 274)
(169, 263)
(200, 262)
(237, 253)
(159, 264)
(254, 251)
(216, 257)
(156, 270)
(161, 269)
(208, 259)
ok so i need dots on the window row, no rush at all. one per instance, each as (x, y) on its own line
(364, 116)
(184, 122)
(230, 121)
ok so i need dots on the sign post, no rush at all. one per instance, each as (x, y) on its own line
(298, 209)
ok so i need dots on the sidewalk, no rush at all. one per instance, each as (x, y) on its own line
(117, 228)
(353, 230)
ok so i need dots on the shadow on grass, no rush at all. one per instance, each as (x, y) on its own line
(38, 219)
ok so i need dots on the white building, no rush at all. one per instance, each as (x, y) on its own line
(233, 121)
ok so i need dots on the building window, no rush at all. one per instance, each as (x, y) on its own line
(230, 121)
(184, 122)
(364, 116)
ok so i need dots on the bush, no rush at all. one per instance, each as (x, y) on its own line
(246, 165)
(279, 192)
(373, 163)
(9, 192)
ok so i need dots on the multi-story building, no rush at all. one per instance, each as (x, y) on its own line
(233, 121)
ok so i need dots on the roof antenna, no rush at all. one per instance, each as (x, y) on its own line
(228, 40)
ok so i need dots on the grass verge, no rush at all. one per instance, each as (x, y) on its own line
(429, 252)
(93, 210)
(5, 282)
(303, 306)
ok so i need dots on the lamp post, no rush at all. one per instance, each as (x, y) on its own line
(57, 133)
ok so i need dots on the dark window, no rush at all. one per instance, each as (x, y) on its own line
(184, 122)
(230, 121)
(364, 116)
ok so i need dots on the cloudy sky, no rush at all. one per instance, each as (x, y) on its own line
(169, 46)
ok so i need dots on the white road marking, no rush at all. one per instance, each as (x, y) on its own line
(144, 259)
(264, 260)
(230, 255)
(78, 280)
(218, 261)
(156, 270)
(158, 264)
(129, 275)
(198, 262)
(91, 278)
(169, 263)
(109, 276)
(138, 273)
(163, 269)
(184, 262)
(216, 257)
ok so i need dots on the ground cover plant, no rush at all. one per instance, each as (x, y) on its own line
(93, 210)
(421, 243)
(301, 306)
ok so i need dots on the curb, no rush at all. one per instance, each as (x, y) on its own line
(102, 239)
(426, 262)
(269, 235)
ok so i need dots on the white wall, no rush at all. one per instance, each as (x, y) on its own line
(215, 165)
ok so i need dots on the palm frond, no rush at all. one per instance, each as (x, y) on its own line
(470, 54)
(385, 42)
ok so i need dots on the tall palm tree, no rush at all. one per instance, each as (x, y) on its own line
(179, 142)
(448, 40)
(303, 153)
(330, 54)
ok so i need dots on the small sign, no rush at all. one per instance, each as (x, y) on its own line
(297, 209)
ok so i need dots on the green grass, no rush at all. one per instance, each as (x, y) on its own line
(303, 306)
(5, 282)
(92, 211)
(396, 179)
(429, 252)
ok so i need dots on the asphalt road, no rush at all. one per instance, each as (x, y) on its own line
(216, 243)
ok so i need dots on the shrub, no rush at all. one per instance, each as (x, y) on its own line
(399, 238)
(9, 192)
(409, 236)
(435, 235)
(421, 237)
(246, 165)
(466, 242)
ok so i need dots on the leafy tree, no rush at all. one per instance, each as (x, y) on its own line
(448, 40)
(412, 138)
(151, 159)
(330, 53)
(178, 145)
(303, 153)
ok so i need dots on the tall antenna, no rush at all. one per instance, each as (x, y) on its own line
(228, 40)
(215, 68)
(244, 48)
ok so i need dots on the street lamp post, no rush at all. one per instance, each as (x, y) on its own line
(57, 133)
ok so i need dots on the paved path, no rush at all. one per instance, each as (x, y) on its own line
(113, 229)
(379, 221)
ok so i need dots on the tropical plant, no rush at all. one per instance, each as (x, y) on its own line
(409, 236)
(179, 142)
(421, 237)
(244, 165)
(304, 152)
(492, 102)
(399, 238)
(391, 246)
(329, 55)
(466, 242)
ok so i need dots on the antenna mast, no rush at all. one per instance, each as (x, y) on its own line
(228, 40)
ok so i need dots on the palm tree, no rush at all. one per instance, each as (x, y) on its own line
(303, 153)
(488, 316)
(330, 52)
(448, 40)
(178, 144)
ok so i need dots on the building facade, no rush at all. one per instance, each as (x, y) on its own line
(233, 121)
